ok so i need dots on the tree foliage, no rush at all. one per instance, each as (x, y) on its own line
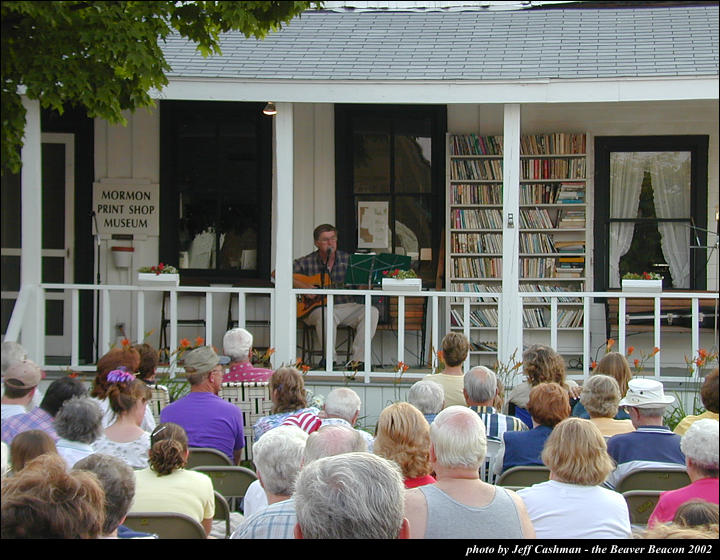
(107, 56)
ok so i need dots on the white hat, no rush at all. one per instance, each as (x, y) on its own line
(645, 393)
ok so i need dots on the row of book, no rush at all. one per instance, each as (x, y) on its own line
(468, 267)
(536, 243)
(476, 243)
(474, 287)
(571, 193)
(542, 267)
(535, 218)
(533, 318)
(556, 168)
(530, 144)
(570, 267)
(571, 218)
(484, 218)
(476, 194)
(476, 170)
(487, 317)
(534, 288)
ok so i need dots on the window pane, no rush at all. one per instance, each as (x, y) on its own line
(10, 274)
(53, 270)
(413, 155)
(10, 223)
(371, 155)
(413, 219)
(53, 186)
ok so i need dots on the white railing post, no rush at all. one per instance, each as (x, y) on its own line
(656, 325)
(74, 330)
(434, 330)
(553, 323)
(329, 333)
(208, 319)
(466, 328)
(173, 320)
(621, 324)
(367, 351)
(105, 322)
(695, 335)
(586, 337)
(140, 316)
(401, 329)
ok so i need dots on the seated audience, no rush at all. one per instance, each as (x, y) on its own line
(20, 382)
(403, 436)
(651, 445)
(166, 486)
(79, 425)
(273, 521)
(700, 446)
(460, 505)
(44, 501)
(41, 418)
(28, 445)
(118, 482)
(709, 397)
(576, 455)
(600, 397)
(127, 358)
(481, 390)
(350, 496)
(238, 346)
(287, 392)
(428, 397)
(208, 420)
(696, 513)
(455, 348)
(548, 406)
(541, 364)
(125, 438)
(342, 408)
(149, 358)
(277, 458)
(615, 365)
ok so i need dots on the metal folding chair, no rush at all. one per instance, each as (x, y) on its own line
(166, 525)
(231, 482)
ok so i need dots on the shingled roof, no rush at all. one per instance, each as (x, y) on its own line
(566, 43)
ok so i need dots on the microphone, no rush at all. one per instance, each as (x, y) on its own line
(329, 250)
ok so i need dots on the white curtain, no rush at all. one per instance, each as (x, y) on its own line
(670, 174)
(626, 177)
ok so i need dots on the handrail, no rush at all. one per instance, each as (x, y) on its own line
(18, 314)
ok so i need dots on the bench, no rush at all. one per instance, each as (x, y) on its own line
(675, 314)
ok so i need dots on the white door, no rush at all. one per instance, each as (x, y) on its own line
(58, 243)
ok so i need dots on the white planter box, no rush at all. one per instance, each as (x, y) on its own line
(404, 285)
(152, 279)
(642, 286)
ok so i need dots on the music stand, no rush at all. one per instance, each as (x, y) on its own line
(368, 270)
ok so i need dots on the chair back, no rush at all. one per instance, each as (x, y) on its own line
(487, 467)
(159, 399)
(667, 478)
(207, 456)
(641, 504)
(253, 400)
(166, 525)
(521, 477)
(222, 512)
(231, 482)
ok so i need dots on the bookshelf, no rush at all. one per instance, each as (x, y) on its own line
(552, 243)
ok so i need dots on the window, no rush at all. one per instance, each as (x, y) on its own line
(394, 156)
(650, 197)
(215, 185)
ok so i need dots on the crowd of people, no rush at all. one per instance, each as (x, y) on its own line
(78, 462)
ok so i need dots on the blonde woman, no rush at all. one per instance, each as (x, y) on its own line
(572, 504)
(600, 397)
(403, 436)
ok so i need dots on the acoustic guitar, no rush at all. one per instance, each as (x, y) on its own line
(306, 304)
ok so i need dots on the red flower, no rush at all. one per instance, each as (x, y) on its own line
(73, 374)
(185, 343)
(199, 341)
(654, 351)
(702, 353)
(593, 365)
(610, 343)
(646, 276)
(630, 350)
(636, 362)
(125, 342)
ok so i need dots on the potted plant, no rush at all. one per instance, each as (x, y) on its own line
(645, 282)
(159, 275)
(401, 280)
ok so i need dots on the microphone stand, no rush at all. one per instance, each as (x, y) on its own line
(97, 283)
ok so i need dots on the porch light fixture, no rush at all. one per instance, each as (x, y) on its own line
(270, 109)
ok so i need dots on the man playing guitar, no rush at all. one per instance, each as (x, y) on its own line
(326, 268)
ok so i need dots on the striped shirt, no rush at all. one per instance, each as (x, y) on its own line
(646, 447)
(496, 423)
(276, 521)
(312, 264)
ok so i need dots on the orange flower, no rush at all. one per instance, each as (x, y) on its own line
(654, 351)
(441, 356)
(73, 374)
(270, 352)
(184, 343)
(630, 350)
(593, 365)
(199, 341)
(305, 368)
(702, 353)
(637, 362)
(699, 362)
(610, 343)
(125, 342)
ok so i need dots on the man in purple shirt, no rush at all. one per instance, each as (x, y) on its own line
(208, 420)
(41, 418)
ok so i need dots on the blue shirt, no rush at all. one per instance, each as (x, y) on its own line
(524, 448)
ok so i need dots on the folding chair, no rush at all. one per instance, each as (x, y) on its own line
(231, 482)
(207, 456)
(521, 477)
(641, 504)
(160, 399)
(222, 512)
(666, 478)
(166, 525)
(488, 465)
(253, 400)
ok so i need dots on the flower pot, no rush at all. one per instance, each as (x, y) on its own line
(642, 286)
(152, 279)
(402, 285)
(122, 256)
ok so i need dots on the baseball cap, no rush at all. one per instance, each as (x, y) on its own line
(203, 359)
(23, 375)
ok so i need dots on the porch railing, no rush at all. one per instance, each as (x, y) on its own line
(436, 319)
